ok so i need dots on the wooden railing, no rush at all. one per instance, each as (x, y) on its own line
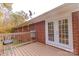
(11, 40)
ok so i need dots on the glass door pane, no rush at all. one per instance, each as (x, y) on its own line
(63, 31)
(51, 31)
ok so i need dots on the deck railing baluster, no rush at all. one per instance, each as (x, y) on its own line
(11, 40)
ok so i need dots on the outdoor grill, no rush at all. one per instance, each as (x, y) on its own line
(7, 41)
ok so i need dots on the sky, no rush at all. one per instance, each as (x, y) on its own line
(37, 6)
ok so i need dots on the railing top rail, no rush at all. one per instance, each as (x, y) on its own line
(18, 33)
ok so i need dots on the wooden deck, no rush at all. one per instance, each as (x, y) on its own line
(36, 49)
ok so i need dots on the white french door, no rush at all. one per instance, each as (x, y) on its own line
(58, 34)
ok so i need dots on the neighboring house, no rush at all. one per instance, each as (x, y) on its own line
(58, 27)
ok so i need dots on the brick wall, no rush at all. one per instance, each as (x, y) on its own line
(25, 29)
(22, 37)
(39, 27)
(26, 36)
(19, 29)
(40, 31)
(75, 22)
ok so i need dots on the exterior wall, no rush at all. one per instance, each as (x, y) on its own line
(40, 31)
(75, 19)
(39, 27)
(25, 29)
(23, 36)
(18, 29)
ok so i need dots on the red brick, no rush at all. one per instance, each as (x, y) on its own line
(75, 22)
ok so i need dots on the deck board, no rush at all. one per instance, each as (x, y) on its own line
(37, 49)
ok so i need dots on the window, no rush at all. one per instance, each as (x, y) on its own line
(51, 31)
(63, 31)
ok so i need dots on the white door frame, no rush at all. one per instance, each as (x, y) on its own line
(56, 36)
